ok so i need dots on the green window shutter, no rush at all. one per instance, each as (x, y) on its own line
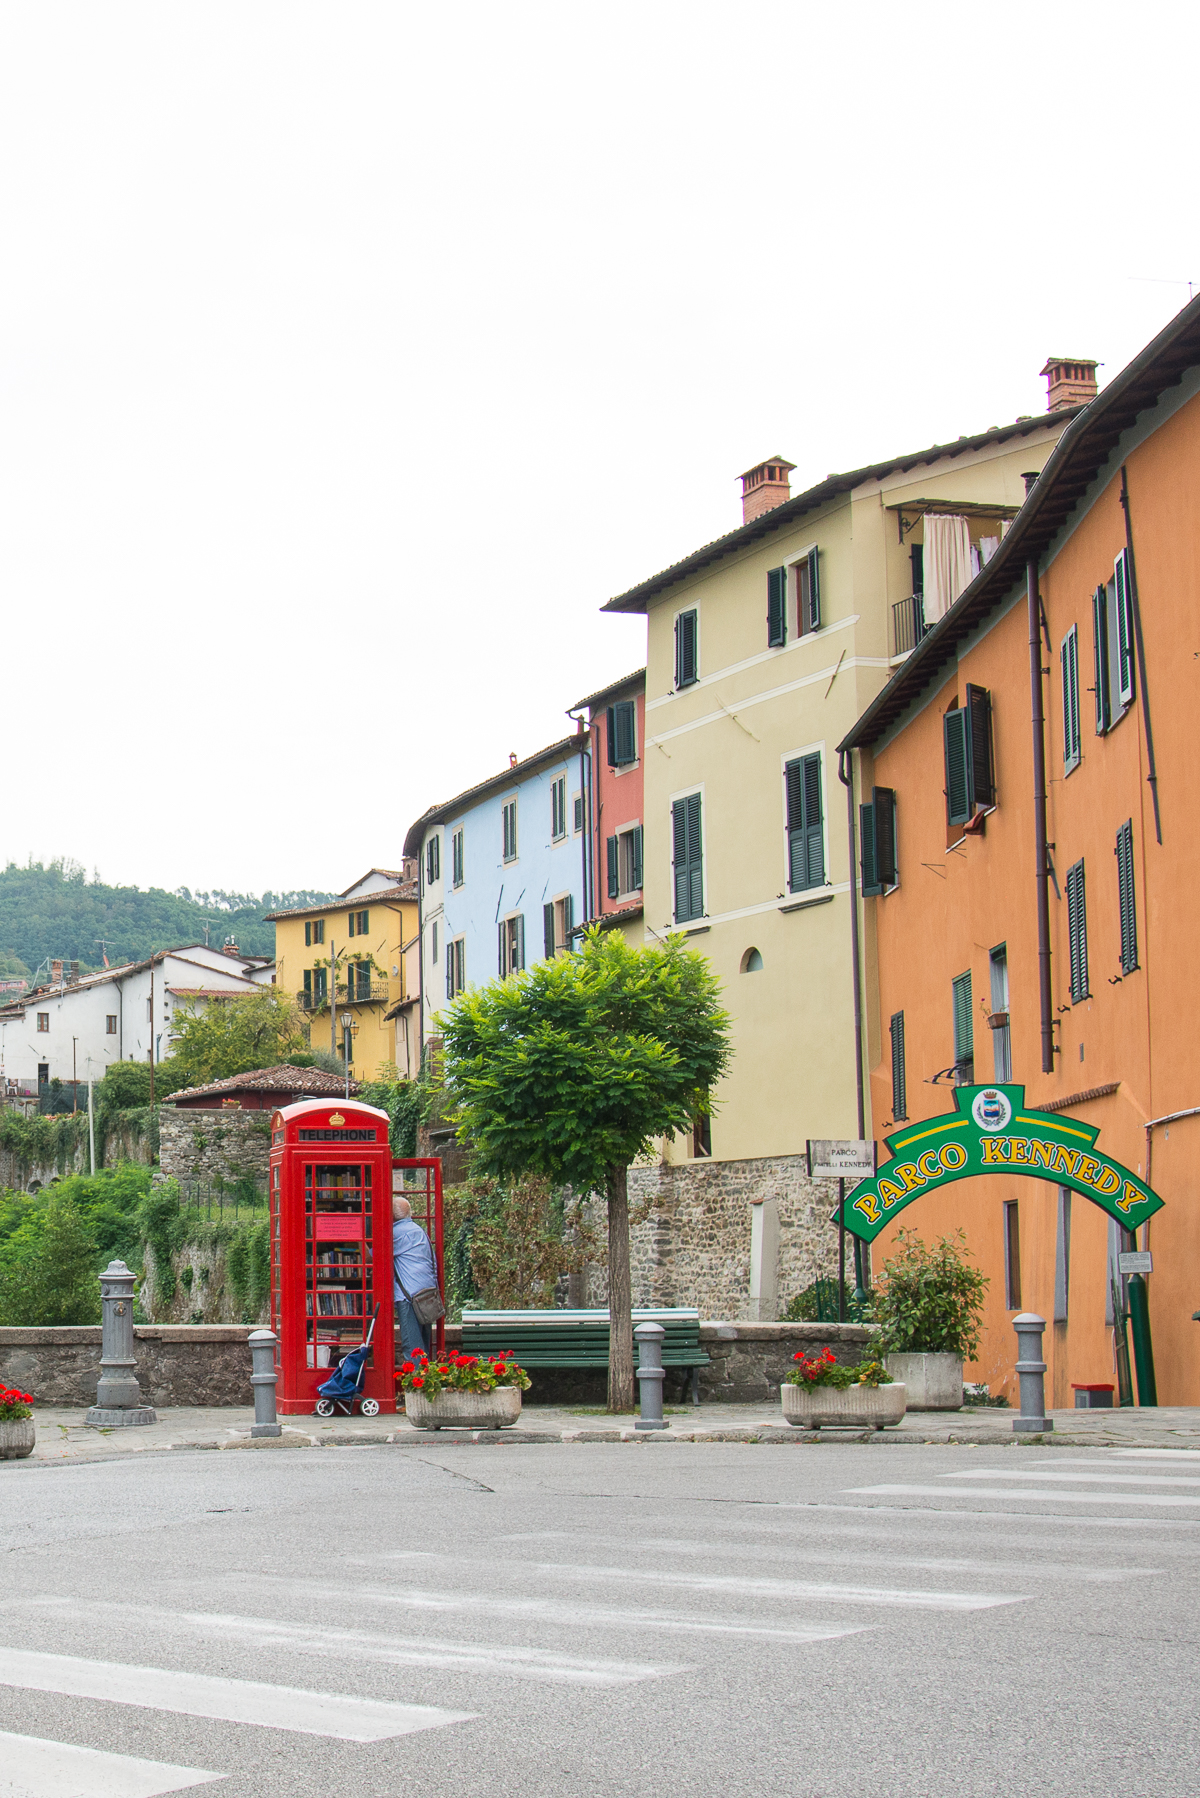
(1127, 897)
(685, 649)
(687, 858)
(964, 1020)
(813, 594)
(308, 982)
(776, 607)
(1069, 659)
(519, 957)
(568, 906)
(611, 847)
(883, 800)
(548, 930)
(1100, 657)
(637, 859)
(350, 928)
(1077, 932)
(308, 935)
(899, 1074)
(449, 970)
(806, 840)
(979, 731)
(866, 836)
(610, 726)
(954, 742)
(1123, 575)
(503, 958)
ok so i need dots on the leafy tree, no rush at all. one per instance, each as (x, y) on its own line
(48, 1268)
(232, 1036)
(126, 1084)
(569, 1070)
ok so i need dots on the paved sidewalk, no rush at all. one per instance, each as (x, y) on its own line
(64, 1438)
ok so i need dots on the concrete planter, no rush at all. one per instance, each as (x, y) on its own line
(935, 1382)
(17, 1437)
(496, 1410)
(848, 1408)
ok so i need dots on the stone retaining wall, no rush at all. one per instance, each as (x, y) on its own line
(211, 1146)
(209, 1364)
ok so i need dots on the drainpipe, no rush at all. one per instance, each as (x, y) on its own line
(584, 835)
(1139, 645)
(1041, 862)
(855, 957)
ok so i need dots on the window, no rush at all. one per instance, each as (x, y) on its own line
(967, 746)
(623, 859)
(43, 1073)
(701, 1135)
(752, 962)
(558, 920)
(316, 985)
(512, 945)
(998, 1019)
(433, 861)
(433, 932)
(558, 807)
(622, 733)
(307, 978)
(577, 804)
(1127, 897)
(43, 1018)
(776, 607)
(805, 836)
(687, 860)
(358, 980)
(1069, 658)
(686, 649)
(877, 832)
(455, 966)
(314, 932)
(1112, 647)
(899, 1072)
(110, 1024)
(508, 827)
(456, 858)
(964, 1030)
(359, 923)
(808, 593)
(1077, 933)
(1012, 1257)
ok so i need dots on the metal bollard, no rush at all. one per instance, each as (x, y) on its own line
(118, 1395)
(263, 1378)
(1031, 1370)
(650, 1376)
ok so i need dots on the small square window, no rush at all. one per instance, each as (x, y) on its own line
(110, 1024)
(43, 1018)
(509, 830)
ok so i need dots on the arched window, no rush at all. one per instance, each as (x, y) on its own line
(752, 962)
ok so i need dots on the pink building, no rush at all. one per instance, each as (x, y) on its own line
(616, 722)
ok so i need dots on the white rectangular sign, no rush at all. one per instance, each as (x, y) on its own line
(1135, 1261)
(835, 1158)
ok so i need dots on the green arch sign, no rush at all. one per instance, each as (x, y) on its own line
(990, 1131)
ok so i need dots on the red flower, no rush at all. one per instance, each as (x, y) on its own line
(408, 1368)
(418, 1382)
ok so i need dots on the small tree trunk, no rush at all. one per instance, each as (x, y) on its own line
(620, 1303)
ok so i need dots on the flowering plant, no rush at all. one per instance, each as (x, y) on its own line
(826, 1370)
(457, 1372)
(14, 1405)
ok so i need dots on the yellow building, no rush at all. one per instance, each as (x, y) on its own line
(763, 649)
(357, 947)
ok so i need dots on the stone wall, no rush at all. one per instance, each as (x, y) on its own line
(180, 1364)
(214, 1146)
(694, 1246)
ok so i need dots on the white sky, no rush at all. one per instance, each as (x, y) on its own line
(352, 355)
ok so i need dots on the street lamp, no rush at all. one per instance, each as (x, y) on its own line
(347, 1044)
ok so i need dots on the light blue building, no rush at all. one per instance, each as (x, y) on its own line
(504, 874)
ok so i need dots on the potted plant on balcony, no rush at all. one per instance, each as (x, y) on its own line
(462, 1391)
(823, 1392)
(17, 1431)
(929, 1311)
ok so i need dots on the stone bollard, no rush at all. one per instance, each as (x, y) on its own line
(650, 1376)
(118, 1395)
(1031, 1369)
(263, 1378)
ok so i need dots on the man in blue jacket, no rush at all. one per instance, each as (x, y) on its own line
(413, 1269)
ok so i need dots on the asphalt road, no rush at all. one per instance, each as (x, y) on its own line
(723, 1620)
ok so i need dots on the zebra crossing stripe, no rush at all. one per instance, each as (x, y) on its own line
(34, 1768)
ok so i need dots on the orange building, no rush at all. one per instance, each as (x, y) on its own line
(1054, 942)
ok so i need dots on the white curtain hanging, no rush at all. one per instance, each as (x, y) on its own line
(947, 563)
(987, 548)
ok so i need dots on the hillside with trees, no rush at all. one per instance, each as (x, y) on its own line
(55, 910)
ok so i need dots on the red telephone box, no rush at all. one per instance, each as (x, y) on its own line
(331, 1244)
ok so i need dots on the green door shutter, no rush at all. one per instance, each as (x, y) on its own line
(776, 607)
(954, 743)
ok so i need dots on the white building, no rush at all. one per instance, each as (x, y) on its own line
(73, 1029)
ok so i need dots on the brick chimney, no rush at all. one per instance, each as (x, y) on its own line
(229, 947)
(765, 486)
(1070, 382)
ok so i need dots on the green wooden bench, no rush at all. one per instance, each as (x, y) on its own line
(580, 1339)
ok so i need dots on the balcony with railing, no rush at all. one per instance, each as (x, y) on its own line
(908, 624)
(354, 992)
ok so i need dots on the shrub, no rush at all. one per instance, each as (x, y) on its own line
(929, 1299)
(48, 1271)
